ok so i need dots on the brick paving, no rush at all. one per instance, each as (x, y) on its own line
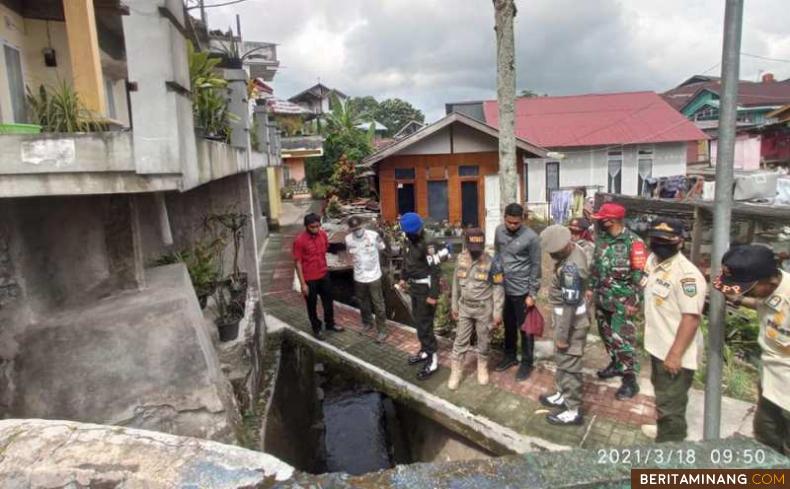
(507, 402)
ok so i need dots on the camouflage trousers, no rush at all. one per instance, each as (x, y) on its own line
(618, 333)
(569, 378)
(474, 317)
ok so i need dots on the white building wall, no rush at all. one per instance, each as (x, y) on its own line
(588, 167)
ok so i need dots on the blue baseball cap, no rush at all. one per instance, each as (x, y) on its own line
(411, 223)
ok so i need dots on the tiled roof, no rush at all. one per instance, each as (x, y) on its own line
(597, 119)
(750, 94)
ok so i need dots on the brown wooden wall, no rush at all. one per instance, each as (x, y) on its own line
(432, 167)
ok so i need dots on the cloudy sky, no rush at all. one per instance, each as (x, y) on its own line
(434, 51)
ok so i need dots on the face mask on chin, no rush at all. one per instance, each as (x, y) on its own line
(663, 250)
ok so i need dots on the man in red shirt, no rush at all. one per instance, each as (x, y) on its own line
(309, 252)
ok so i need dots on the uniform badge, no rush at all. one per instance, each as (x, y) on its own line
(638, 255)
(773, 302)
(689, 287)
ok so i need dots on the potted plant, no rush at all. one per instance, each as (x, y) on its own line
(200, 261)
(209, 97)
(231, 56)
(231, 293)
(59, 108)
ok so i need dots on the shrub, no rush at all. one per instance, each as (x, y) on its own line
(59, 108)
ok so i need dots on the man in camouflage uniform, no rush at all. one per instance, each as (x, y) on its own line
(616, 284)
(571, 323)
(477, 301)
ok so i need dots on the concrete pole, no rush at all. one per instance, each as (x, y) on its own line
(505, 13)
(730, 67)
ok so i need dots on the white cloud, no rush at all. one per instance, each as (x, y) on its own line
(430, 52)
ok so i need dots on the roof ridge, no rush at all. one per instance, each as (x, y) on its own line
(606, 94)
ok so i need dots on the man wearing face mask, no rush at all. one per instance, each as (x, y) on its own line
(751, 278)
(616, 284)
(476, 304)
(421, 272)
(571, 323)
(364, 246)
(674, 300)
(580, 234)
(519, 249)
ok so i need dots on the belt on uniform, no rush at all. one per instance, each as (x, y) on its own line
(423, 281)
(471, 303)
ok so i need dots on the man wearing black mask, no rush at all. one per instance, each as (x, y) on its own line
(674, 299)
(518, 248)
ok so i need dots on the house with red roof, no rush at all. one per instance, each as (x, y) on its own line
(759, 142)
(608, 142)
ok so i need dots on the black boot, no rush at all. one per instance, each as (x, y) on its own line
(506, 363)
(524, 371)
(609, 372)
(421, 356)
(628, 389)
(431, 366)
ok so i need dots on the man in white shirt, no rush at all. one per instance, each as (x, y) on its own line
(674, 299)
(364, 246)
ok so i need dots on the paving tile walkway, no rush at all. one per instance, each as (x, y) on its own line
(512, 404)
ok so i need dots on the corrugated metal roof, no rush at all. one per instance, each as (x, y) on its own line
(597, 119)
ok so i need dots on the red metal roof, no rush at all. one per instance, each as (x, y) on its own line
(597, 119)
(750, 94)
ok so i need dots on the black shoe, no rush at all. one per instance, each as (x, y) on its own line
(523, 373)
(421, 356)
(609, 372)
(336, 329)
(319, 335)
(505, 364)
(565, 418)
(429, 368)
(628, 389)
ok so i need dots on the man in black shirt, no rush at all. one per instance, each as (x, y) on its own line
(518, 248)
(421, 273)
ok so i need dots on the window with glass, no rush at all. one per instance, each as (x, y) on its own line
(615, 172)
(438, 202)
(16, 84)
(552, 178)
(526, 182)
(468, 171)
(404, 173)
(644, 167)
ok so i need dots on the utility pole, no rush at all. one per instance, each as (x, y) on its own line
(203, 18)
(504, 14)
(730, 68)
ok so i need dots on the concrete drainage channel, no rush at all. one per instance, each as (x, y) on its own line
(313, 383)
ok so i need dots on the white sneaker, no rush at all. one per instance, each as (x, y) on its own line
(567, 417)
(554, 400)
(650, 431)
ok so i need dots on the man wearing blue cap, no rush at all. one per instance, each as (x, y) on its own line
(421, 273)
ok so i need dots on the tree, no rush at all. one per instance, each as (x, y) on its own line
(527, 93)
(396, 113)
(366, 106)
(504, 13)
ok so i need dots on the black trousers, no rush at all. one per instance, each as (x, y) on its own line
(422, 315)
(513, 317)
(321, 287)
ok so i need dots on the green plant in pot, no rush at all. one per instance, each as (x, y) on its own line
(201, 264)
(231, 56)
(209, 97)
(231, 293)
(59, 108)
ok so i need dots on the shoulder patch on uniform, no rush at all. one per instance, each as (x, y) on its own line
(774, 301)
(689, 286)
(638, 255)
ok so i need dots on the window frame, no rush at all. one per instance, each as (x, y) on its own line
(614, 157)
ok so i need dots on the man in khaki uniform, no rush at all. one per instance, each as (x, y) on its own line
(674, 300)
(477, 302)
(571, 322)
(750, 277)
